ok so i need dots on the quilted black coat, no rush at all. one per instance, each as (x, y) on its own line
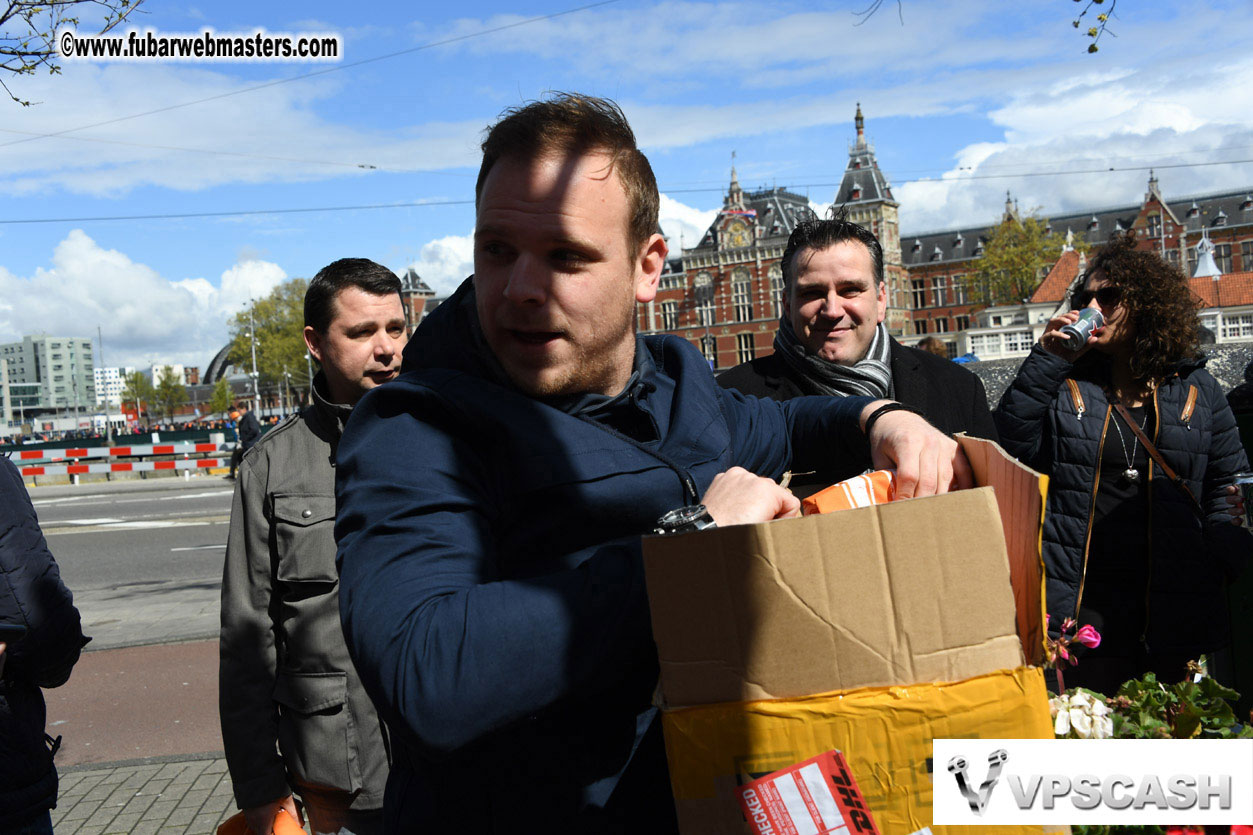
(31, 594)
(1053, 416)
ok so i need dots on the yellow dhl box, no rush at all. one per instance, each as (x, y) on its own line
(884, 733)
(941, 589)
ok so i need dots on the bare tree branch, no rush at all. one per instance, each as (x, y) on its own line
(868, 12)
(28, 30)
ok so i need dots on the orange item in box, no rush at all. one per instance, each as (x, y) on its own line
(878, 487)
(284, 824)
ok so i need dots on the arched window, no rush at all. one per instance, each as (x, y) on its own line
(776, 290)
(704, 290)
(741, 295)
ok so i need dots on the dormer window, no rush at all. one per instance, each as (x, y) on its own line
(1220, 219)
(1194, 210)
(855, 194)
(1118, 226)
(917, 245)
(957, 242)
(1247, 204)
(1048, 228)
(856, 163)
(979, 247)
(937, 253)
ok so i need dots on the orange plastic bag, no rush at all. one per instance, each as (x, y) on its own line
(284, 824)
(878, 487)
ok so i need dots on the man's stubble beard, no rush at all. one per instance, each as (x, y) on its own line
(590, 369)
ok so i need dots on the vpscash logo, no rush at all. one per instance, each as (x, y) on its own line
(1100, 781)
(978, 800)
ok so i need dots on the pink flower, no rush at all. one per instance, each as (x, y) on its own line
(1088, 636)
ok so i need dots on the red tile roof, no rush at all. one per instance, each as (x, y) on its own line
(1053, 287)
(1229, 290)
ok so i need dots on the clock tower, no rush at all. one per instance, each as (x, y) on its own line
(866, 196)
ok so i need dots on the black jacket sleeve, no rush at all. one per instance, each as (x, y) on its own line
(981, 423)
(1228, 543)
(32, 594)
(1021, 416)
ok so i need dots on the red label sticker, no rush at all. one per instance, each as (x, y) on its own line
(814, 797)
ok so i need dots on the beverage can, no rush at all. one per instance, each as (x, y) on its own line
(1244, 483)
(1077, 334)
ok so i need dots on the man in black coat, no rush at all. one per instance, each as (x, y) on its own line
(248, 430)
(35, 603)
(832, 341)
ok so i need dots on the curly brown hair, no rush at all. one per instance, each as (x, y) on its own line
(1160, 305)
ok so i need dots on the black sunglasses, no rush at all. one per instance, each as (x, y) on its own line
(1106, 297)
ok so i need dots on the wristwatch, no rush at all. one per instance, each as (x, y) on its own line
(691, 518)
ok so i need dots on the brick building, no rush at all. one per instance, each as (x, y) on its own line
(724, 295)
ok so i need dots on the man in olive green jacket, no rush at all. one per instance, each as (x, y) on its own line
(295, 717)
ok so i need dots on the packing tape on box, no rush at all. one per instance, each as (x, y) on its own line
(884, 732)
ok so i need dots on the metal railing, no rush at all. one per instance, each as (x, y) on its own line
(70, 460)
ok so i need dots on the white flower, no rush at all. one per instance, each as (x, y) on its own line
(1061, 726)
(1081, 722)
(1102, 727)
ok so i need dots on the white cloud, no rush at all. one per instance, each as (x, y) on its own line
(1060, 142)
(445, 262)
(684, 225)
(737, 45)
(145, 319)
(270, 135)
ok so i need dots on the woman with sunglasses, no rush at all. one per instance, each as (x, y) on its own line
(1126, 549)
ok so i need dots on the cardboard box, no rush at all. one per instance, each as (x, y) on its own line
(884, 733)
(912, 591)
(936, 594)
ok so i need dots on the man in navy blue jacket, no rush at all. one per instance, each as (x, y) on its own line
(33, 598)
(493, 498)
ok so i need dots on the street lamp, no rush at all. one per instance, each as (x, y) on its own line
(252, 340)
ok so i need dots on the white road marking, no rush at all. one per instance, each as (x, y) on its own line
(199, 548)
(102, 521)
(198, 495)
(66, 500)
(84, 503)
(131, 526)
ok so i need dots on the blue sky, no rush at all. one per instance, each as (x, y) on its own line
(963, 101)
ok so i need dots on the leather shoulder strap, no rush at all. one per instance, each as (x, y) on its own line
(1157, 456)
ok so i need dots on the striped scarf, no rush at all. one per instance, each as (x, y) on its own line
(870, 377)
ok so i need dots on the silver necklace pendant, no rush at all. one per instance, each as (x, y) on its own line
(1132, 475)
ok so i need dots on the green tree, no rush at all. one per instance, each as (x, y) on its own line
(137, 390)
(220, 397)
(1015, 258)
(29, 28)
(279, 319)
(170, 393)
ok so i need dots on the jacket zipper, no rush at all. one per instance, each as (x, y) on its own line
(1076, 397)
(1096, 485)
(1188, 406)
(689, 484)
